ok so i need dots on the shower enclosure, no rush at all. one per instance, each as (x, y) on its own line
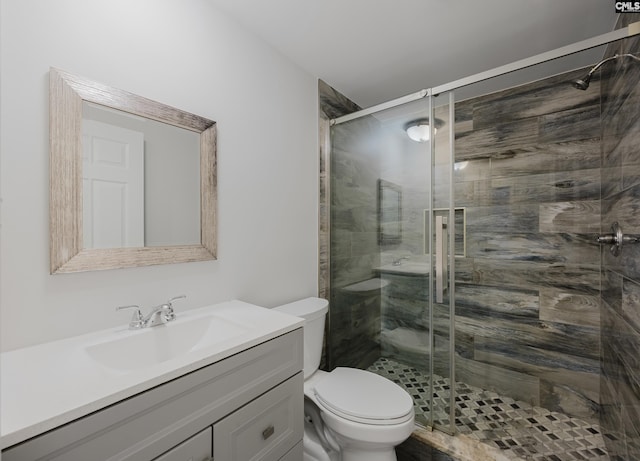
(464, 265)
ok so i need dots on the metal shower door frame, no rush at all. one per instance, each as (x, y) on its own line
(593, 42)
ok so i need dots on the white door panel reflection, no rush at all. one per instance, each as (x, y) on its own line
(113, 186)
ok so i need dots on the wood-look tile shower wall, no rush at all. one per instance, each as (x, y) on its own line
(527, 293)
(348, 228)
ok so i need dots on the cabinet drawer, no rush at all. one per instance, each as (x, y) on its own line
(265, 429)
(197, 448)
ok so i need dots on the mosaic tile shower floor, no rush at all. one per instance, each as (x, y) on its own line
(518, 429)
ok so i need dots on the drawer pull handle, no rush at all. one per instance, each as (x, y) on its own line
(268, 432)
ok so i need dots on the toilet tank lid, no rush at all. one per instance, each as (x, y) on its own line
(308, 308)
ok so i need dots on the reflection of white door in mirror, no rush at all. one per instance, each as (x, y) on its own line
(113, 186)
(171, 179)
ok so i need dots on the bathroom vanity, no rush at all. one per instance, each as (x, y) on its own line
(229, 390)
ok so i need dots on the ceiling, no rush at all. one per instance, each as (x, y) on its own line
(377, 50)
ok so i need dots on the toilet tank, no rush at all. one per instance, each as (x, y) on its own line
(313, 311)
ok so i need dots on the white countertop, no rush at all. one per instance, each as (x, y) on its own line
(408, 268)
(45, 386)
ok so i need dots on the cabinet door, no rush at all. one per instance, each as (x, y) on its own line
(197, 448)
(295, 454)
(265, 429)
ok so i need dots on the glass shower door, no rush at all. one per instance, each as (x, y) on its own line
(390, 191)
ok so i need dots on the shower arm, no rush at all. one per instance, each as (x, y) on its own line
(615, 56)
(597, 66)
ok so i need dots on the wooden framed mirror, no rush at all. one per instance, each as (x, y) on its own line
(109, 242)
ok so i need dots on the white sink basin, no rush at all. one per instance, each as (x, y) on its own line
(134, 350)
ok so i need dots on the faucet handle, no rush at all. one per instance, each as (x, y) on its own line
(169, 315)
(175, 298)
(137, 321)
(398, 262)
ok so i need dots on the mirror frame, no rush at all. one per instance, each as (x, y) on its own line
(66, 94)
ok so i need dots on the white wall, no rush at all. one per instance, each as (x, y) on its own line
(188, 55)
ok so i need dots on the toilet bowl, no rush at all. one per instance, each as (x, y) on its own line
(363, 415)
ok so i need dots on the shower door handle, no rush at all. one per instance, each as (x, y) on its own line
(441, 260)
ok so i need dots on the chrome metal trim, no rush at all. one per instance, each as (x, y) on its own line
(603, 39)
(540, 58)
(441, 248)
(429, 280)
(616, 239)
(452, 267)
(380, 107)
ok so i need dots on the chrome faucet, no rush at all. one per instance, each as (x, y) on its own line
(159, 315)
(398, 262)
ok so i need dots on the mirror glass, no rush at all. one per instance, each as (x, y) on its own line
(141, 181)
(132, 181)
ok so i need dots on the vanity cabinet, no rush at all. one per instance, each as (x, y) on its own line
(248, 406)
(197, 448)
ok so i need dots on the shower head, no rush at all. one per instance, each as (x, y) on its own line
(583, 83)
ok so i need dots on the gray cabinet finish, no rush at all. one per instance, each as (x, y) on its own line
(265, 429)
(197, 448)
(295, 454)
(149, 424)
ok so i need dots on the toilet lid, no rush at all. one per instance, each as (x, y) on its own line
(360, 394)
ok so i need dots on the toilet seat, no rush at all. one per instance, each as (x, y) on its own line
(363, 397)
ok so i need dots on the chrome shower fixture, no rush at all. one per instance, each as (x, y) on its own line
(616, 238)
(583, 83)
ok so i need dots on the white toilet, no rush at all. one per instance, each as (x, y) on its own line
(350, 414)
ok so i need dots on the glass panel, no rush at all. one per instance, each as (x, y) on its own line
(528, 174)
(380, 271)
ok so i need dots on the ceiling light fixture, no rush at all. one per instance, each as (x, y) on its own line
(418, 130)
